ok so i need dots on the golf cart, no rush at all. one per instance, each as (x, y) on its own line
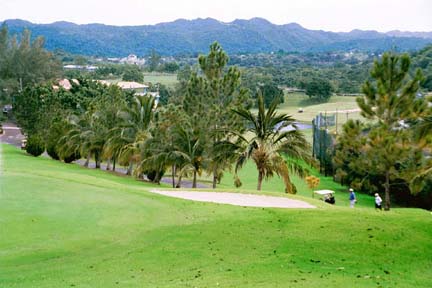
(23, 144)
(325, 195)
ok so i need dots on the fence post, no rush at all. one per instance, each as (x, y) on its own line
(313, 137)
(337, 121)
(325, 119)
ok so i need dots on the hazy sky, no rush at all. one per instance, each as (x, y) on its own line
(332, 15)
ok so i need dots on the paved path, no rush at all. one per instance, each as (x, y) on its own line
(120, 169)
(11, 134)
(237, 199)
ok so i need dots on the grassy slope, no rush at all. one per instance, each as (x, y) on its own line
(249, 177)
(67, 226)
(249, 174)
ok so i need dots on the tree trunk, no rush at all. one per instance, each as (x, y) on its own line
(387, 192)
(173, 172)
(157, 177)
(108, 164)
(260, 178)
(129, 170)
(194, 179)
(214, 177)
(97, 160)
(289, 187)
(86, 163)
(178, 185)
(114, 163)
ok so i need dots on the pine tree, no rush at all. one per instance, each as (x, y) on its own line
(390, 100)
(209, 100)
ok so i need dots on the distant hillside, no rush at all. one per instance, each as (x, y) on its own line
(192, 36)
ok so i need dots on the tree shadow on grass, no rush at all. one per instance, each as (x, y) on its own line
(310, 101)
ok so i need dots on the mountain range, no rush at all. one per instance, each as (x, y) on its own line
(194, 36)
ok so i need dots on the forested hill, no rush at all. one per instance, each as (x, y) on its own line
(191, 36)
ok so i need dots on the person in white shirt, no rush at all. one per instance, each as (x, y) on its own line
(378, 201)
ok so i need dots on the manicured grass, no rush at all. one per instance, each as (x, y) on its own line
(249, 177)
(294, 101)
(164, 78)
(67, 226)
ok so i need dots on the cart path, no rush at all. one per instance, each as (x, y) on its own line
(237, 199)
(11, 135)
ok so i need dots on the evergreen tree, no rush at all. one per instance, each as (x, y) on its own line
(154, 60)
(390, 100)
(209, 100)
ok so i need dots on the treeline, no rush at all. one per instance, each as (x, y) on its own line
(423, 59)
(23, 62)
(186, 37)
(391, 151)
(319, 74)
(200, 132)
(127, 72)
(345, 74)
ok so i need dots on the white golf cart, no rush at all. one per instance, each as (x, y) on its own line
(325, 195)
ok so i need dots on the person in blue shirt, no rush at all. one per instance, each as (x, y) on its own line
(352, 198)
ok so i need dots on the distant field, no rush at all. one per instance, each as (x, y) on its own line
(66, 226)
(294, 101)
(166, 79)
(342, 104)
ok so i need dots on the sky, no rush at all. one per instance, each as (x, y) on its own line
(329, 15)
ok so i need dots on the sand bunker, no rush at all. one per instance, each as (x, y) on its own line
(238, 199)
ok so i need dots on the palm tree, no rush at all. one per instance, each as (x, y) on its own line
(273, 137)
(86, 135)
(188, 152)
(129, 136)
(74, 138)
(157, 155)
(114, 146)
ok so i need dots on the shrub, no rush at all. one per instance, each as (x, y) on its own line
(71, 157)
(154, 175)
(52, 152)
(35, 145)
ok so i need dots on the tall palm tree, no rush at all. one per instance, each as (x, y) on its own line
(273, 137)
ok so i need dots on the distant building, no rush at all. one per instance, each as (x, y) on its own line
(113, 59)
(65, 84)
(140, 89)
(80, 67)
(132, 59)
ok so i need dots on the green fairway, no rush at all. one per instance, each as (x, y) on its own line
(164, 78)
(63, 225)
(342, 104)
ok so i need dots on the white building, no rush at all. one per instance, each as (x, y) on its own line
(132, 59)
